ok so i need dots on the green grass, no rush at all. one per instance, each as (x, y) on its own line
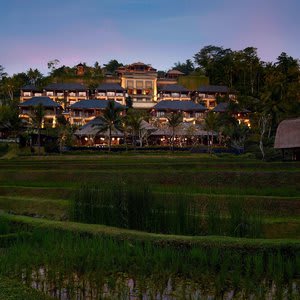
(13, 290)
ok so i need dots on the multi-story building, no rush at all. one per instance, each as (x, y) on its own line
(51, 110)
(66, 93)
(111, 91)
(29, 91)
(209, 94)
(173, 92)
(192, 112)
(84, 111)
(140, 81)
(241, 115)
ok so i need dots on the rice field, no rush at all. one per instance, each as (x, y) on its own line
(167, 225)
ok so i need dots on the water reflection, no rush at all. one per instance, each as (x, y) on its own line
(121, 286)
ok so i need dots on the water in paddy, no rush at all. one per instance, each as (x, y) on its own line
(122, 286)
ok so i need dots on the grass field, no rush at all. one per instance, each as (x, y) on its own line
(37, 193)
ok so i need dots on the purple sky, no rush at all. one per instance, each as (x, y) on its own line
(158, 32)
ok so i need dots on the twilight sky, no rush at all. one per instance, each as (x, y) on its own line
(158, 32)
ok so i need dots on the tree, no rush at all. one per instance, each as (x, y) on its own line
(174, 120)
(210, 125)
(2, 73)
(134, 120)
(186, 68)
(37, 118)
(111, 120)
(35, 76)
(112, 66)
(128, 101)
(9, 119)
(53, 64)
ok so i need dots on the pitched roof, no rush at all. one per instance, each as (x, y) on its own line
(224, 106)
(29, 88)
(93, 128)
(179, 105)
(65, 87)
(288, 134)
(173, 88)
(45, 101)
(93, 104)
(184, 129)
(213, 89)
(110, 87)
(175, 72)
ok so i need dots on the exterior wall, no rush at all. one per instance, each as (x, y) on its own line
(50, 118)
(210, 99)
(188, 116)
(65, 97)
(26, 95)
(83, 116)
(141, 87)
(111, 95)
(173, 96)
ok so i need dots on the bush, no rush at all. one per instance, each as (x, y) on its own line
(3, 149)
(51, 147)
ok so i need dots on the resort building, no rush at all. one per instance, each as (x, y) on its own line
(192, 112)
(29, 91)
(173, 92)
(111, 91)
(208, 94)
(66, 93)
(84, 111)
(51, 110)
(242, 115)
(140, 81)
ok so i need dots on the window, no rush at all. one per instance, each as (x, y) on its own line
(148, 84)
(49, 94)
(129, 84)
(27, 94)
(175, 94)
(110, 94)
(139, 84)
(72, 94)
(82, 94)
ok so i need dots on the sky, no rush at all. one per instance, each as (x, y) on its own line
(156, 32)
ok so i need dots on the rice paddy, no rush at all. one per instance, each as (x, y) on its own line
(183, 226)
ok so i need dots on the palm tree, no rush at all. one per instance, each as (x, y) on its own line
(111, 120)
(210, 125)
(174, 120)
(134, 122)
(37, 118)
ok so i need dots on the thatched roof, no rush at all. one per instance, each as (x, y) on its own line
(93, 128)
(288, 134)
(184, 129)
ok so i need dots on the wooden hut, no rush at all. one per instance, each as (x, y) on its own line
(288, 137)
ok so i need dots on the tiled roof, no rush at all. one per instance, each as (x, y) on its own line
(173, 88)
(213, 89)
(93, 103)
(223, 107)
(179, 105)
(175, 72)
(65, 87)
(110, 87)
(45, 101)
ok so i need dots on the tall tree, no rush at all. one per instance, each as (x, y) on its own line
(112, 66)
(186, 68)
(174, 120)
(37, 117)
(34, 75)
(111, 120)
(210, 125)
